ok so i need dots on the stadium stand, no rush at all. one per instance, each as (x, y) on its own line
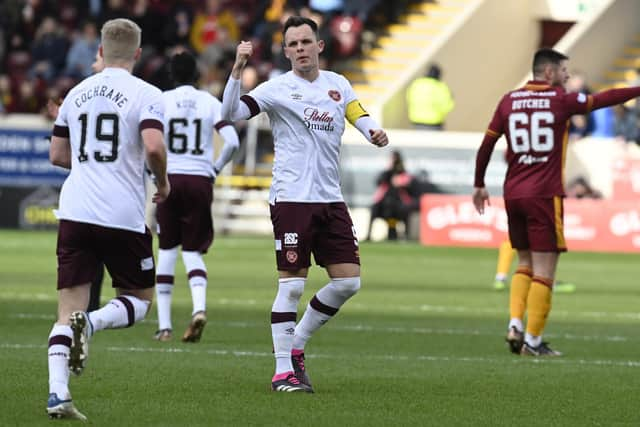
(380, 45)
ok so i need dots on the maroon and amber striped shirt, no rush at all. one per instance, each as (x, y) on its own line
(535, 122)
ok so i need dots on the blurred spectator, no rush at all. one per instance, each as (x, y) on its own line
(327, 7)
(394, 199)
(268, 26)
(580, 188)
(580, 125)
(3, 45)
(280, 64)
(324, 34)
(212, 25)
(625, 124)
(603, 122)
(27, 99)
(359, 8)
(23, 19)
(39, 47)
(6, 97)
(94, 8)
(82, 51)
(176, 30)
(112, 10)
(49, 50)
(151, 23)
(429, 100)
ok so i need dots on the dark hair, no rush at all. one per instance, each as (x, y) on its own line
(434, 72)
(297, 21)
(183, 68)
(546, 56)
(397, 162)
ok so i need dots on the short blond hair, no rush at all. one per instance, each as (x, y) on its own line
(120, 40)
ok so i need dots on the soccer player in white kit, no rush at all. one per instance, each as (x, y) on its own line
(106, 127)
(184, 219)
(307, 108)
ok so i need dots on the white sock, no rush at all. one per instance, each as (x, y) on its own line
(165, 274)
(532, 340)
(197, 272)
(517, 323)
(311, 321)
(120, 312)
(167, 262)
(198, 287)
(282, 334)
(164, 293)
(283, 320)
(323, 306)
(58, 354)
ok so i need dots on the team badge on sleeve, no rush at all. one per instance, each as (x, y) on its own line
(156, 110)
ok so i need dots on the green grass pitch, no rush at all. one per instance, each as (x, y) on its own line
(420, 345)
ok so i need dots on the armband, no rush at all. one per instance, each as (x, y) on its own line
(355, 111)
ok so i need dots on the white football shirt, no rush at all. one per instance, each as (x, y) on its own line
(103, 116)
(190, 115)
(307, 121)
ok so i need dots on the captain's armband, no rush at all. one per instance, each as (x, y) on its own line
(355, 111)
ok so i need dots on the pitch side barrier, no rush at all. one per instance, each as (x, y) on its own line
(29, 183)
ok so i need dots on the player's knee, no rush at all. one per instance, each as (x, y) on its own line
(193, 260)
(292, 288)
(347, 286)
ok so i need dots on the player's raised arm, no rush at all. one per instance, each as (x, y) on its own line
(232, 108)
(611, 97)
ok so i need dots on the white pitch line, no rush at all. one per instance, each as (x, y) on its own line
(385, 357)
(421, 308)
(383, 329)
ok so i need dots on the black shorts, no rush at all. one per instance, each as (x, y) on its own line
(324, 229)
(128, 255)
(185, 217)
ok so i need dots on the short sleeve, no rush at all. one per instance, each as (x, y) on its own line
(152, 107)
(61, 119)
(349, 93)
(262, 95)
